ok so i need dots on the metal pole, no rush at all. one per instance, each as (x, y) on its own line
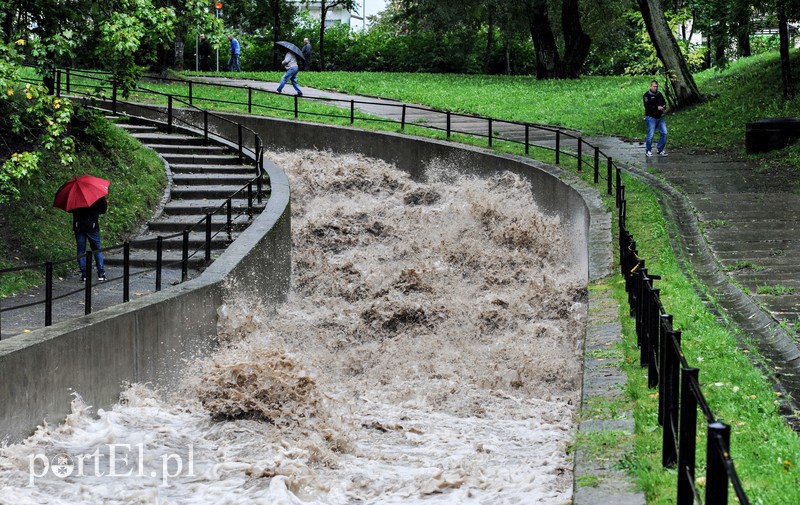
(48, 294)
(126, 272)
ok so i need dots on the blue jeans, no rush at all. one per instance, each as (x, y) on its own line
(290, 74)
(94, 242)
(233, 61)
(654, 124)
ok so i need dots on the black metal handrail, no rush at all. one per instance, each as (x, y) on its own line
(204, 224)
(680, 396)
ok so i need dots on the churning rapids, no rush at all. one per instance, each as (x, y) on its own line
(429, 353)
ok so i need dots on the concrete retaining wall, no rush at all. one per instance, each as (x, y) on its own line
(146, 340)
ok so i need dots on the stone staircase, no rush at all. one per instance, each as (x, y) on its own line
(203, 174)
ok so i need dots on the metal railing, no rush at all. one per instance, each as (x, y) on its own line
(205, 230)
(680, 395)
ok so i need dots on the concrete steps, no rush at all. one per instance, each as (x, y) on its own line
(204, 174)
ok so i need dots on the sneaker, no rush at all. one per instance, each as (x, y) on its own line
(662, 153)
(83, 278)
(299, 94)
(279, 91)
(648, 154)
(101, 277)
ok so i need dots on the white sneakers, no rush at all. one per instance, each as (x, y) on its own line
(662, 153)
(648, 154)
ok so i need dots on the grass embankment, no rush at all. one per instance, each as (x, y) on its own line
(35, 232)
(764, 448)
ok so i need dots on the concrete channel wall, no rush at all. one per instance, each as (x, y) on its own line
(148, 339)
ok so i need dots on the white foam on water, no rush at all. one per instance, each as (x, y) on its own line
(429, 353)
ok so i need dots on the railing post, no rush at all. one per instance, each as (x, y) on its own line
(580, 154)
(58, 82)
(619, 187)
(185, 256)
(114, 96)
(608, 175)
(527, 138)
(403, 118)
(229, 222)
(687, 437)
(663, 342)
(48, 294)
(208, 238)
(352, 111)
(651, 327)
(126, 272)
(190, 93)
(596, 164)
(719, 435)
(296, 108)
(250, 201)
(87, 286)
(448, 124)
(159, 260)
(669, 454)
(241, 153)
(249, 100)
(558, 147)
(68, 81)
(169, 114)
(490, 132)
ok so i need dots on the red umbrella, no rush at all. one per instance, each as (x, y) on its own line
(80, 192)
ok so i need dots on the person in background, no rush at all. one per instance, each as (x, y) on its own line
(204, 52)
(306, 54)
(654, 107)
(85, 224)
(290, 63)
(233, 62)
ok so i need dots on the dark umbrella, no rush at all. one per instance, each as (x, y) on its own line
(80, 192)
(291, 47)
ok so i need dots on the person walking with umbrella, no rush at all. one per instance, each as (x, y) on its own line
(289, 62)
(84, 198)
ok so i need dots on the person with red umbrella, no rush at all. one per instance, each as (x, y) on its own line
(84, 197)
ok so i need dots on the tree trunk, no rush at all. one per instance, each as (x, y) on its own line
(786, 63)
(487, 60)
(179, 48)
(576, 43)
(742, 29)
(276, 33)
(544, 42)
(684, 87)
(323, 13)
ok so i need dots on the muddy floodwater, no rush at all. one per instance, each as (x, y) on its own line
(429, 353)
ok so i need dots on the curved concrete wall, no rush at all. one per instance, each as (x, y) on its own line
(147, 339)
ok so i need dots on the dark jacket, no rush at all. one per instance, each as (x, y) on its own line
(205, 48)
(651, 103)
(307, 56)
(84, 220)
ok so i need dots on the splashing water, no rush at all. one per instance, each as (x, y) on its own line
(429, 353)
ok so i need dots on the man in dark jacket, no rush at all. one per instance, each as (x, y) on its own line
(204, 52)
(86, 227)
(306, 54)
(654, 107)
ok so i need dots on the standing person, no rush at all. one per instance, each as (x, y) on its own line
(290, 63)
(654, 107)
(204, 51)
(306, 54)
(85, 224)
(234, 59)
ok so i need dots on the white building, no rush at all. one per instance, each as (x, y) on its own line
(356, 18)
